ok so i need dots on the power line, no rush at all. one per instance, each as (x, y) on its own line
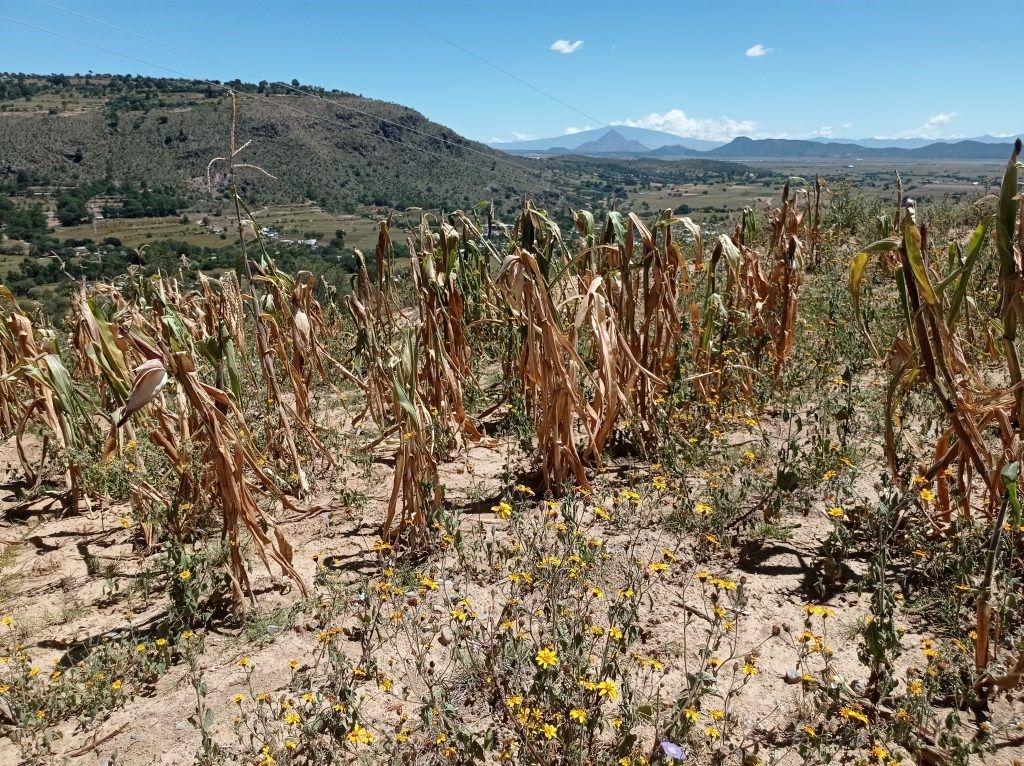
(300, 91)
(293, 109)
(492, 65)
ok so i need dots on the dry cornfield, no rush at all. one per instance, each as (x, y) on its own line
(631, 375)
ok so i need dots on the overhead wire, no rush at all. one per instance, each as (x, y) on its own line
(298, 90)
(295, 110)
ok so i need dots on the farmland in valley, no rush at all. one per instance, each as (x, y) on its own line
(673, 461)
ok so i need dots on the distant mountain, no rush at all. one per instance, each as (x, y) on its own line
(611, 142)
(908, 143)
(781, 148)
(964, 150)
(744, 148)
(653, 139)
(677, 150)
(659, 144)
(786, 147)
(877, 143)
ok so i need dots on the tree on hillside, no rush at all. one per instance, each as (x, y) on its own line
(71, 210)
(25, 223)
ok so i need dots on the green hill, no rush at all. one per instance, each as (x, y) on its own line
(64, 131)
(339, 150)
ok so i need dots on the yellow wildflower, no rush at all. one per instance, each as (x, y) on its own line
(853, 715)
(547, 658)
(427, 584)
(360, 736)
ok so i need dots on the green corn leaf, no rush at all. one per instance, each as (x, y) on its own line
(614, 229)
(912, 242)
(731, 252)
(974, 248)
(1006, 216)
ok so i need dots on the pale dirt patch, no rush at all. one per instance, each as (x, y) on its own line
(63, 605)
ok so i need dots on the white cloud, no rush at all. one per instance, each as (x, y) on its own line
(569, 129)
(514, 136)
(677, 122)
(937, 121)
(564, 46)
(825, 131)
(931, 127)
(756, 51)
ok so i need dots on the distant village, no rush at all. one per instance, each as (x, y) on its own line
(271, 233)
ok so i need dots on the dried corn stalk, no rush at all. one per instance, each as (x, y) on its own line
(981, 447)
(38, 388)
(165, 334)
(441, 330)
(752, 315)
(549, 371)
(416, 493)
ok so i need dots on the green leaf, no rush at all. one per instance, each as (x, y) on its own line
(912, 243)
(234, 375)
(1006, 215)
(405, 402)
(887, 245)
(109, 357)
(585, 224)
(614, 229)
(857, 266)
(974, 248)
(860, 262)
(730, 251)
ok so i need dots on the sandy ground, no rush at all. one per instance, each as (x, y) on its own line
(64, 607)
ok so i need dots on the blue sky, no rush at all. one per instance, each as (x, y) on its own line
(934, 69)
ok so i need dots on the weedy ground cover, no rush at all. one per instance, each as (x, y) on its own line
(627, 494)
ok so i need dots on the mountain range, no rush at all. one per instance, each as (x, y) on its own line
(782, 148)
(651, 139)
(625, 141)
